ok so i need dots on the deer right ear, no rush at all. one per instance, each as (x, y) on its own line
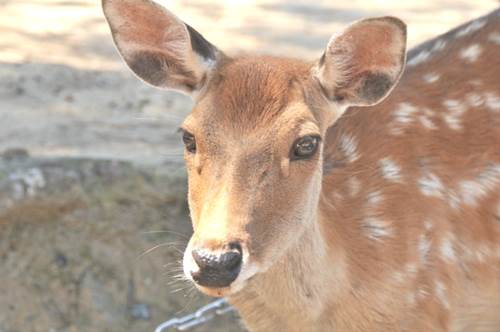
(361, 65)
(158, 47)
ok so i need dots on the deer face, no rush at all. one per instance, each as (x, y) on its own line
(254, 138)
(253, 153)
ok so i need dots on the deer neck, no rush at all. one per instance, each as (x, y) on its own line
(298, 288)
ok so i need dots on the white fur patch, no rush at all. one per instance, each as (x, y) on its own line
(446, 250)
(428, 225)
(349, 146)
(471, 53)
(430, 185)
(426, 54)
(390, 170)
(492, 101)
(439, 45)
(440, 290)
(422, 292)
(424, 247)
(411, 268)
(472, 27)
(484, 252)
(425, 119)
(431, 77)
(474, 99)
(419, 58)
(453, 200)
(354, 186)
(373, 199)
(455, 111)
(403, 116)
(494, 37)
(376, 229)
(471, 191)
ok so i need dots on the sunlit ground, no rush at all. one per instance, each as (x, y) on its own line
(74, 32)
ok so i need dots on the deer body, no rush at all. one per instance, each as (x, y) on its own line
(383, 219)
(409, 215)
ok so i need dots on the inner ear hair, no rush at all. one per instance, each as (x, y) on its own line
(362, 64)
(158, 47)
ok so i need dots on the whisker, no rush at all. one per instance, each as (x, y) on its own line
(156, 247)
(166, 231)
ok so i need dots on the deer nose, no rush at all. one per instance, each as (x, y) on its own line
(217, 268)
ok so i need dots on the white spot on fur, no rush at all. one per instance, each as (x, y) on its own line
(424, 247)
(455, 110)
(428, 225)
(484, 251)
(373, 198)
(440, 290)
(492, 101)
(431, 77)
(376, 229)
(422, 292)
(439, 45)
(430, 185)
(487, 181)
(494, 37)
(406, 273)
(349, 147)
(474, 26)
(419, 58)
(471, 53)
(424, 55)
(447, 251)
(390, 170)
(354, 186)
(411, 268)
(403, 115)
(425, 119)
(453, 200)
(480, 254)
(398, 277)
(474, 99)
(405, 112)
(476, 82)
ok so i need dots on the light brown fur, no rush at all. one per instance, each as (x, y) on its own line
(394, 225)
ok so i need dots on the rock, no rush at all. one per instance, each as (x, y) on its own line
(14, 153)
(140, 311)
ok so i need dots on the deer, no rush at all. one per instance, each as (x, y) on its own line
(356, 192)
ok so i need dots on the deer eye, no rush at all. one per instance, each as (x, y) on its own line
(304, 147)
(189, 141)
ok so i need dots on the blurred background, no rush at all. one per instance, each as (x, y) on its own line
(93, 216)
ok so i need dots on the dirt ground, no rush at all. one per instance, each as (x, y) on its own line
(105, 180)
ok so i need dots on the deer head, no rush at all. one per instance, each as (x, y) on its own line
(254, 138)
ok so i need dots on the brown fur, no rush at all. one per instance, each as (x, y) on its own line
(394, 225)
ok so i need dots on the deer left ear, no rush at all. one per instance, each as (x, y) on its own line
(361, 65)
(158, 47)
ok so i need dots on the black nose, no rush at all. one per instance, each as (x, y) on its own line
(217, 269)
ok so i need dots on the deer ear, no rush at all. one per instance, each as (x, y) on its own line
(361, 65)
(158, 47)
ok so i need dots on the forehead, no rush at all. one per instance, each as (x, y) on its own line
(251, 92)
